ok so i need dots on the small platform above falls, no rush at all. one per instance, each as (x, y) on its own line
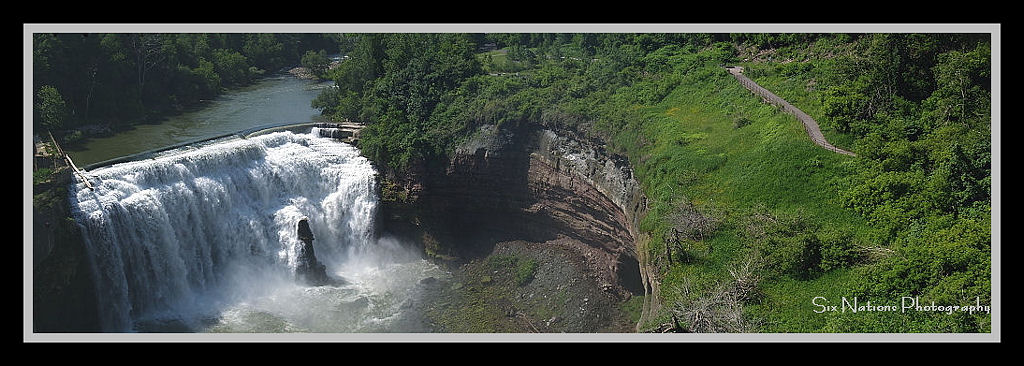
(344, 131)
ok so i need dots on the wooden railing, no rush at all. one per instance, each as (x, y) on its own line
(70, 162)
(810, 125)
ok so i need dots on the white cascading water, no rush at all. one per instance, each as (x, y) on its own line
(204, 239)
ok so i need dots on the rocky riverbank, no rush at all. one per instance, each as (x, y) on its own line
(304, 73)
(62, 293)
(529, 287)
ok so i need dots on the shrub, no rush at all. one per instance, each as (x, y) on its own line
(525, 271)
(50, 108)
(798, 256)
(837, 250)
(316, 62)
(41, 175)
(741, 121)
(72, 137)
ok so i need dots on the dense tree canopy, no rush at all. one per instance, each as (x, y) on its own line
(115, 79)
(394, 82)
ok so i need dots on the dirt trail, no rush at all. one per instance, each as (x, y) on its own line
(810, 125)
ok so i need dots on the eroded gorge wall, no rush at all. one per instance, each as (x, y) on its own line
(533, 184)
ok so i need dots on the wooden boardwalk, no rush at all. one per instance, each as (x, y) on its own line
(810, 125)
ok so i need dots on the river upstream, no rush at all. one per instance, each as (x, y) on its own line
(276, 99)
(203, 238)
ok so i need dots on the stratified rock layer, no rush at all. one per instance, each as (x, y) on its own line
(534, 185)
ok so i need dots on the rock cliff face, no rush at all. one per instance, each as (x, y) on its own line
(62, 289)
(529, 184)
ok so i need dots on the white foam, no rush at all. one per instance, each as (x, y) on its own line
(196, 228)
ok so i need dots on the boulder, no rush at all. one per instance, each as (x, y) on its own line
(309, 270)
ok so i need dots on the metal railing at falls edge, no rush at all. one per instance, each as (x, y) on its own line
(249, 132)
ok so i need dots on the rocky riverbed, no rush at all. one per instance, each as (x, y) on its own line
(529, 287)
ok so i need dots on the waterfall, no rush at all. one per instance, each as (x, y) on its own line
(202, 226)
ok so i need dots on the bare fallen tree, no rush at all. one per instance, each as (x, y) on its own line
(721, 309)
(689, 225)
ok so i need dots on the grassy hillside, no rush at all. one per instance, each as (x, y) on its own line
(714, 149)
(778, 225)
(752, 226)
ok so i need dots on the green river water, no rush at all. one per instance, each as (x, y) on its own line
(275, 99)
